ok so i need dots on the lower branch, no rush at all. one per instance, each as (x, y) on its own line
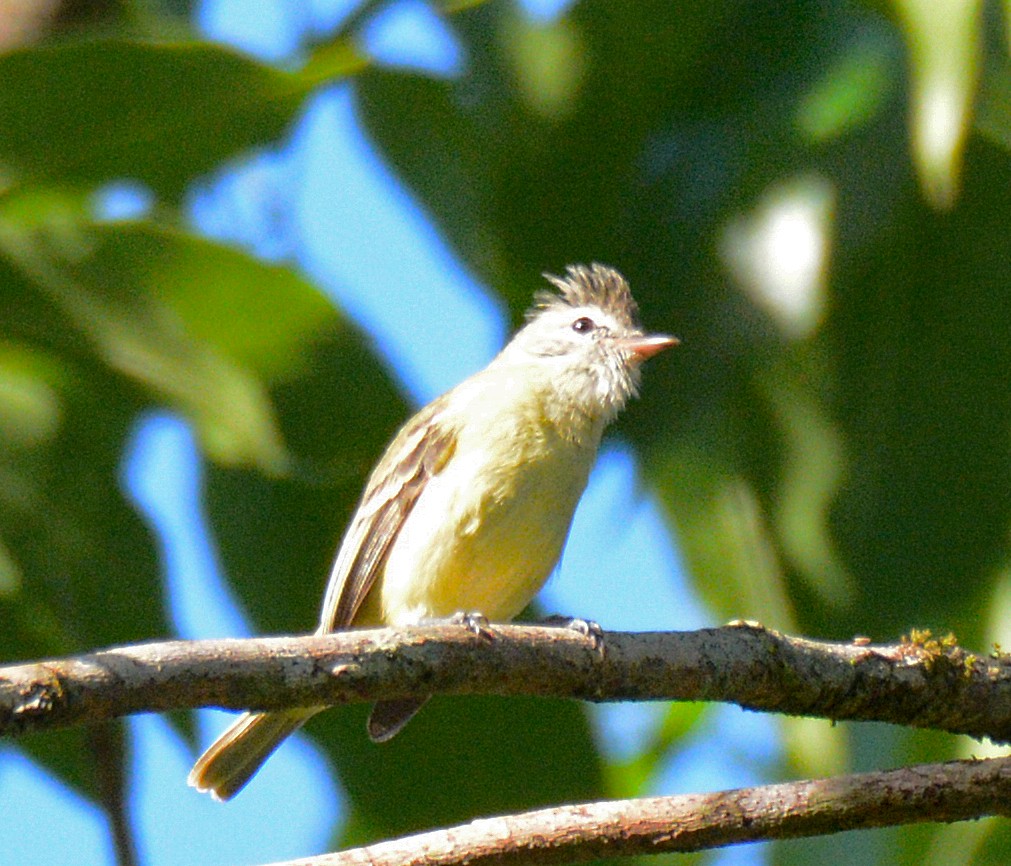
(948, 792)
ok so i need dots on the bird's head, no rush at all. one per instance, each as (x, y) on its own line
(587, 340)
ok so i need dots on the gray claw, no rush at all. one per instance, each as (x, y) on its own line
(474, 621)
(586, 627)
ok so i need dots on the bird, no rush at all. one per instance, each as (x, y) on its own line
(468, 509)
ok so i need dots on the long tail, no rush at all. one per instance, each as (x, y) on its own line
(239, 752)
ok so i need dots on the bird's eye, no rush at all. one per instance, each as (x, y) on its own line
(583, 325)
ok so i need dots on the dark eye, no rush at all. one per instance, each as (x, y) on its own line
(583, 325)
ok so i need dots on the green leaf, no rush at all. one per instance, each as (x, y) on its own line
(852, 91)
(97, 324)
(993, 111)
(86, 112)
(197, 326)
(80, 554)
(944, 47)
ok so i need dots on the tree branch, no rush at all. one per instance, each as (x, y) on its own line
(953, 791)
(921, 683)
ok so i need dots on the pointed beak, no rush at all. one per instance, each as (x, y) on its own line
(648, 345)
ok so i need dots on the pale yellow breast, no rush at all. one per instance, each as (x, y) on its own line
(489, 528)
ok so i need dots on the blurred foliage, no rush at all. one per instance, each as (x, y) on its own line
(800, 191)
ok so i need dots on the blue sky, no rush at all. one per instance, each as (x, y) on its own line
(358, 233)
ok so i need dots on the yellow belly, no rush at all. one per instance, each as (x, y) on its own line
(486, 532)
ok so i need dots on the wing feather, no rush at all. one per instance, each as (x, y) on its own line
(418, 452)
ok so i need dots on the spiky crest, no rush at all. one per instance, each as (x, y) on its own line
(596, 285)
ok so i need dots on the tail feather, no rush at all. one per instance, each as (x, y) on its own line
(389, 717)
(240, 751)
(234, 757)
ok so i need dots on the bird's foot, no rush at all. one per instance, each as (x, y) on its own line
(586, 627)
(474, 621)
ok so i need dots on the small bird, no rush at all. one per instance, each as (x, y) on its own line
(470, 506)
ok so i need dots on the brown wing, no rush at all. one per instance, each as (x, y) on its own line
(419, 451)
